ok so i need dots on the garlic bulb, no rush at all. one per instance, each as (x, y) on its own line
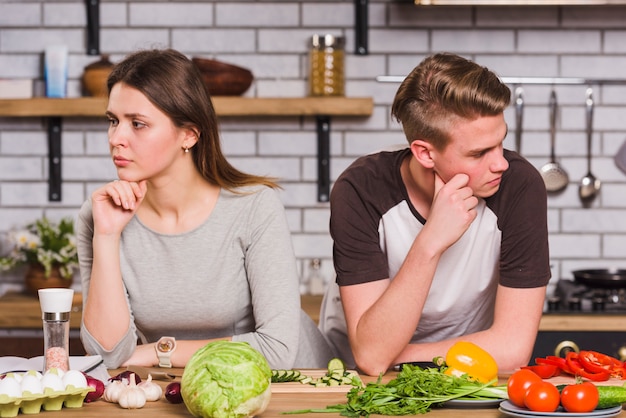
(113, 390)
(132, 396)
(152, 390)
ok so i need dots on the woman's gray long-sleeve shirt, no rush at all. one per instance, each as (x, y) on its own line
(234, 275)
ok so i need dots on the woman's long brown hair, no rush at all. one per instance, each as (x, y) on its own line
(173, 83)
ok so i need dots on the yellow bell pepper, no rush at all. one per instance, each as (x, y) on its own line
(468, 358)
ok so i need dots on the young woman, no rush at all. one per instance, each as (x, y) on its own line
(183, 248)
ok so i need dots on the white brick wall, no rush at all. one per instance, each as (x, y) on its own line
(270, 38)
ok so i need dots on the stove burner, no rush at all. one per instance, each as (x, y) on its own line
(570, 296)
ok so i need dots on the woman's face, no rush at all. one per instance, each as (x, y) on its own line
(475, 148)
(143, 141)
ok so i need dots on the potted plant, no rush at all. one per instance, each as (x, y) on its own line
(49, 249)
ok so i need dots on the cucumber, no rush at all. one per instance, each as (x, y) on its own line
(336, 365)
(611, 396)
(281, 376)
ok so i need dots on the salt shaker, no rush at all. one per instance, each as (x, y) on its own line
(56, 305)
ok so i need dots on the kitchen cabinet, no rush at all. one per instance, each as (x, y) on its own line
(322, 108)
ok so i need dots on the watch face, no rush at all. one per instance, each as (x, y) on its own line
(165, 345)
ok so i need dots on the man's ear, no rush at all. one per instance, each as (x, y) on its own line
(422, 150)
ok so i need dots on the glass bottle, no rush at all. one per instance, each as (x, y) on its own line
(326, 65)
(315, 281)
(56, 305)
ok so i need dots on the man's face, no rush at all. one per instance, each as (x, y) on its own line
(475, 149)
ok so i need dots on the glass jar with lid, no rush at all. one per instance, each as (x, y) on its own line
(326, 65)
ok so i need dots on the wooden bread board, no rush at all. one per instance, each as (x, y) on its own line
(297, 387)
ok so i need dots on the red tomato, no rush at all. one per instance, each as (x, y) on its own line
(518, 384)
(545, 371)
(542, 397)
(580, 397)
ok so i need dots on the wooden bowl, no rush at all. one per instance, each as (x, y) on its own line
(223, 79)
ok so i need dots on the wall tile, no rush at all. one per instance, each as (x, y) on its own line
(257, 15)
(64, 14)
(473, 41)
(14, 15)
(558, 42)
(171, 14)
(128, 40)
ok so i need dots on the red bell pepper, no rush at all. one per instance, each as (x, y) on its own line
(577, 368)
(597, 362)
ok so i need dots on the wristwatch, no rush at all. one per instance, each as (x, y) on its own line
(164, 349)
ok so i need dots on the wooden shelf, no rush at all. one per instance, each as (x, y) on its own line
(224, 106)
(322, 108)
(518, 2)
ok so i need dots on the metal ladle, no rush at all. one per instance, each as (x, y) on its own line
(554, 175)
(589, 185)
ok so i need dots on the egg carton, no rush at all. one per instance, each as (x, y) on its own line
(48, 401)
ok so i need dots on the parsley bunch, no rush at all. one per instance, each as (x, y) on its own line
(414, 391)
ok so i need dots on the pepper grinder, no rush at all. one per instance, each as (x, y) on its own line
(56, 305)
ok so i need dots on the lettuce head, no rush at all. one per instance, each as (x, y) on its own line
(226, 379)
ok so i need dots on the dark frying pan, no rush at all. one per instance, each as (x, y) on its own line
(604, 278)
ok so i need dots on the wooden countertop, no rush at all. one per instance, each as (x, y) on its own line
(280, 403)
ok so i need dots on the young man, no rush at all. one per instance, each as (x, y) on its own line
(443, 241)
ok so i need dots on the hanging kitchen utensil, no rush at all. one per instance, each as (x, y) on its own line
(589, 184)
(620, 158)
(554, 176)
(519, 113)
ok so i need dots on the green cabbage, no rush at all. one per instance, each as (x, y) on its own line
(226, 379)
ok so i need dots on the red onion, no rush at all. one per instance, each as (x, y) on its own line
(98, 385)
(172, 393)
(125, 376)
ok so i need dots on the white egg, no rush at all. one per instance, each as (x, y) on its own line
(31, 383)
(36, 373)
(52, 381)
(11, 387)
(16, 376)
(75, 378)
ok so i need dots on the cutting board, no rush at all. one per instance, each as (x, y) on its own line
(297, 387)
(566, 380)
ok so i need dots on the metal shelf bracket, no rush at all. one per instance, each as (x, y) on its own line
(323, 158)
(361, 27)
(93, 27)
(54, 159)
